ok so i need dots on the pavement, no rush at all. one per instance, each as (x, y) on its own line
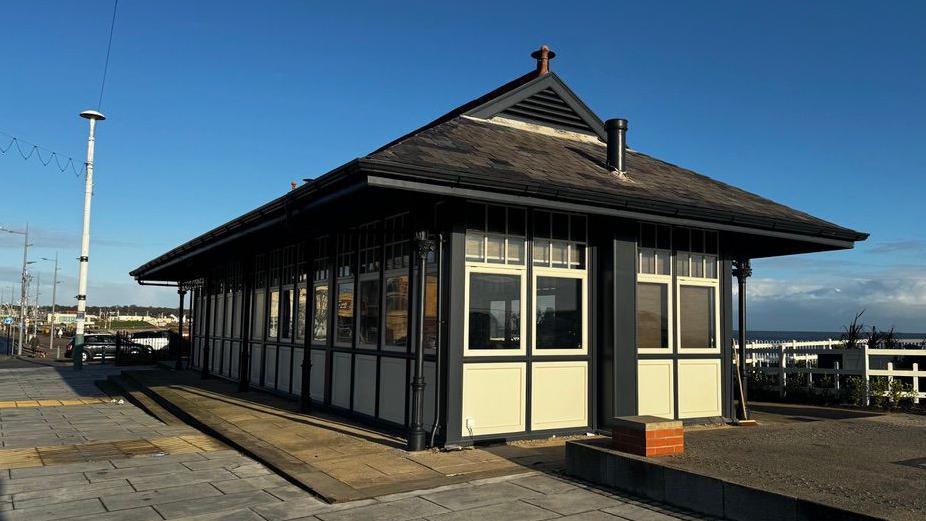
(70, 451)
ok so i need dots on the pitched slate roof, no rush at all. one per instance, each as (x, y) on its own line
(478, 148)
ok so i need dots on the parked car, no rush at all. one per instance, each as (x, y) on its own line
(95, 345)
(156, 340)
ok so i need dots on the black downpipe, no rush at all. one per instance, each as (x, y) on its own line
(438, 344)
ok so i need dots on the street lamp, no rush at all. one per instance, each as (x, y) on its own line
(24, 284)
(51, 327)
(93, 116)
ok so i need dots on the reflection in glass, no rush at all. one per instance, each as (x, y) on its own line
(286, 314)
(300, 314)
(696, 305)
(320, 314)
(368, 315)
(559, 313)
(494, 311)
(652, 316)
(396, 326)
(257, 314)
(344, 326)
(430, 311)
(273, 326)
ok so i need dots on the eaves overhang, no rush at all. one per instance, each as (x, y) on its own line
(390, 174)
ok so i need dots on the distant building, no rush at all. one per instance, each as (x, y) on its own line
(68, 318)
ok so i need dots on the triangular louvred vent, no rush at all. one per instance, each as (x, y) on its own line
(546, 107)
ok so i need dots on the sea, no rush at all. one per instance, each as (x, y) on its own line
(806, 336)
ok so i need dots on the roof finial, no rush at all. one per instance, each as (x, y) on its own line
(292, 185)
(543, 57)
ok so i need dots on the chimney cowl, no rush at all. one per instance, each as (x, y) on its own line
(543, 55)
(616, 130)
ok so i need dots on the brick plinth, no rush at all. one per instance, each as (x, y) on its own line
(648, 436)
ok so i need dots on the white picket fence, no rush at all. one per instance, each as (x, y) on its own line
(803, 357)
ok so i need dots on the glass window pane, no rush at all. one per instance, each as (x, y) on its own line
(710, 267)
(257, 315)
(697, 241)
(496, 219)
(681, 239)
(300, 313)
(696, 305)
(542, 224)
(344, 328)
(516, 225)
(559, 254)
(559, 313)
(475, 244)
(647, 261)
(320, 314)
(273, 326)
(494, 311)
(541, 252)
(681, 268)
(368, 313)
(476, 217)
(577, 256)
(396, 323)
(710, 242)
(229, 307)
(286, 314)
(430, 311)
(663, 237)
(697, 265)
(495, 249)
(648, 235)
(577, 228)
(515, 251)
(652, 316)
(561, 226)
(662, 263)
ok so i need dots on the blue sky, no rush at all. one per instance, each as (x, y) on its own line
(214, 107)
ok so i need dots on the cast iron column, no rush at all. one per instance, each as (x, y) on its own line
(417, 438)
(244, 356)
(742, 270)
(179, 364)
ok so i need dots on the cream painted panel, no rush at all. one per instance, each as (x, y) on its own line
(284, 361)
(317, 378)
(699, 388)
(655, 388)
(270, 367)
(559, 395)
(430, 373)
(255, 364)
(392, 385)
(365, 384)
(340, 381)
(494, 397)
(298, 356)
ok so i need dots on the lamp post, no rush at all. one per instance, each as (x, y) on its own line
(93, 116)
(24, 287)
(51, 326)
(416, 436)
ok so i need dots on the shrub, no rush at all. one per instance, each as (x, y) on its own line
(856, 391)
(878, 388)
(900, 393)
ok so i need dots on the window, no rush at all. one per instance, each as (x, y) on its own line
(273, 325)
(494, 316)
(697, 316)
(396, 323)
(344, 326)
(559, 314)
(300, 313)
(495, 234)
(655, 251)
(430, 309)
(369, 248)
(652, 316)
(286, 315)
(368, 313)
(320, 313)
(257, 315)
(696, 253)
(559, 240)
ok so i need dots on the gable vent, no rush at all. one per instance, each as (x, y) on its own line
(547, 108)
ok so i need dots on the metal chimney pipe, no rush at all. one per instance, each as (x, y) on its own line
(617, 143)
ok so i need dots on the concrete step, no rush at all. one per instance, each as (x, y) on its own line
(139, 396)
